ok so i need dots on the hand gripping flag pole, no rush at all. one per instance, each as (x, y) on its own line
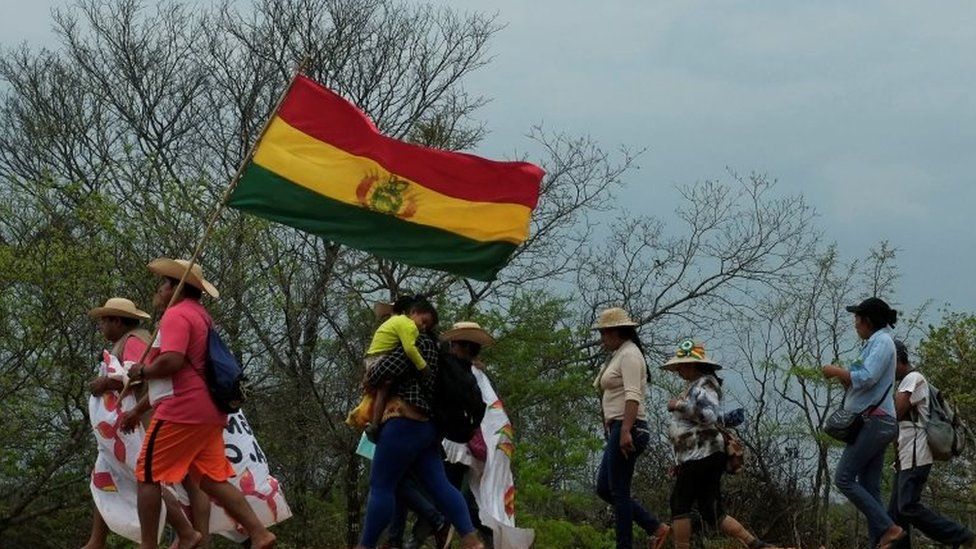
(219, 208)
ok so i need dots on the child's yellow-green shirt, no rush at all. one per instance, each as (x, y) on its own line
(398, 330)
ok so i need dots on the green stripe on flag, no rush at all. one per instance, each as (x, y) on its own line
(268, 195)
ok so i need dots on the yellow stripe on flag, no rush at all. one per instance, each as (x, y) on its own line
(359, 181)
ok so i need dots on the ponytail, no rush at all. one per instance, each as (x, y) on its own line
(629, 333)
(886, 318)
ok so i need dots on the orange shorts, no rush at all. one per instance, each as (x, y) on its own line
(171, 450)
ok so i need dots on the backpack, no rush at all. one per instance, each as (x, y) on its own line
(457, 405)
(735, 452)
(944, 428)
(224, 376)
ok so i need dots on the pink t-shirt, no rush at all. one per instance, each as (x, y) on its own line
(133, 349)
(183, 329)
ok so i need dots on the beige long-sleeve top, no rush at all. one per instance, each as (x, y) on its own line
(622, 378)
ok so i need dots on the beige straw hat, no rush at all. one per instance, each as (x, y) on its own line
(615, 317)
(118, 306)
(468, 331)
(689, 352)
(174, 268)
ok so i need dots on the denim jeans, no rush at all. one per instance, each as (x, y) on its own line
(907, 510)
(858, 474)
(411, 497)
(614, 479)
(406, 444)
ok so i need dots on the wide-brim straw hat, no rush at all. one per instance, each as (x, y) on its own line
(614, 317)
(119, 306)
(468, 331)
(690, 352)
(174, 268)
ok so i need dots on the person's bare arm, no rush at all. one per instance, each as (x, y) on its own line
(103, 384)
(838, 373)
(903, 405)
(626, 440)
(132, 418)
(165, 365)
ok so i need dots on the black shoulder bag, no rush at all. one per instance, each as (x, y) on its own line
(844, 425)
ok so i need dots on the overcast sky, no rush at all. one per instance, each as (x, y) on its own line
(868, 108)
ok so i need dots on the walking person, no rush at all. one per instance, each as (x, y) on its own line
(699, 449)
(914, 463)
(409, 441)
(119, 322)
(186, 432)
(484, 464)
(622, 383)
(869, 383)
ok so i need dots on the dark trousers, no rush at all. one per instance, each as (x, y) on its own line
(458, 473)
(858, 474)
(411, 496)
(699, 484)
(907, 510)
(408, 445)
(614, 479)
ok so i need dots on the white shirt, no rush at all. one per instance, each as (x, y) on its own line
(911, 434)
(622, 378)
(160, 388)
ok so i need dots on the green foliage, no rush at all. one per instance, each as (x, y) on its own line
(948, 358)
(560, 533)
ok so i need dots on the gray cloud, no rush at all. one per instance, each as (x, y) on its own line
(866, 107)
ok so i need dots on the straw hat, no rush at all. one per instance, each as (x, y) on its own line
(118, 306)
(468, 331)
(689, 352)
(615, 317)
(174, 268)
(382, 309)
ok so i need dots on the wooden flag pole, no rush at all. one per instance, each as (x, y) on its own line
(215, 215)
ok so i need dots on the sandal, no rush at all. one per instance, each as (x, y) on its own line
(660, 537)
(888, 544)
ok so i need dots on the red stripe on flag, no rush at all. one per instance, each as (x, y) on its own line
(324, 115)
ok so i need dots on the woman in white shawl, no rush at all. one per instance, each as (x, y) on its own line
(489, 453)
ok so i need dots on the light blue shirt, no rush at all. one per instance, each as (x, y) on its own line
(873, 375)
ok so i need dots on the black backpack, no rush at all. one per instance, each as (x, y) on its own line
(457, 405)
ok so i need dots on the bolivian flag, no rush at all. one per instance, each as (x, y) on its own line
(323, 167)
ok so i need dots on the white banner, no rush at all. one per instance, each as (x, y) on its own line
(492, 482)
(113, 482)
(252, 478)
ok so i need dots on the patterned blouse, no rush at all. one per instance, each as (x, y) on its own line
(693, 427)
(408, 384)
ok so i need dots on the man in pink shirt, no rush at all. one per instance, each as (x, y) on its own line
(186, 433)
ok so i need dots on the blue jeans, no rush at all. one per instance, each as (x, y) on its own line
(858, 474)
(907, 510)
(614, 479)
(411, 496)
(405, 444)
